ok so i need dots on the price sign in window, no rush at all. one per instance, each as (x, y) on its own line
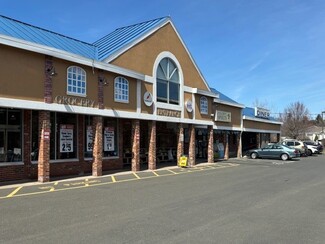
(90, 139)
(66, 138)
(109, 139)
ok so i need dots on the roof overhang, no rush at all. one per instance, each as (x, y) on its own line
(262, 120)
(57, 53)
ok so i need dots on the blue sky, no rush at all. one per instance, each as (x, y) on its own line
(254, 51)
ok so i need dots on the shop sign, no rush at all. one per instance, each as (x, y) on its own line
(168, 113)
(262, 113)
(189, 106)
(89, 139)
(66, 138)
(223, 116)
(109, 139)
(46, 134)
(78, 101)
(147, 99)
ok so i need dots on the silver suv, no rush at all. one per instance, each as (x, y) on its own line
(299, 145)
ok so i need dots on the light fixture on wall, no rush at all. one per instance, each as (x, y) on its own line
(103, 81)
(51, 71)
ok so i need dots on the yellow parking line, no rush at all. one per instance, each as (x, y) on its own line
(14, 192)
(55, 184)
(113, 178)
(136, 175)
(172, 171)
(155, 173)
(86, 182)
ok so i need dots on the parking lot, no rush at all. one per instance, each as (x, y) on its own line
(29, 189)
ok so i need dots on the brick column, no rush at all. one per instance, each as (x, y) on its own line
(191, 151)
(44, 147)
(135, 145)
(258, 140)
(239, 145)
(226, 143)
(180, 142)
(27, 142)
(101, 80)
(48, 98)
(98, 146)
(152, 146)
(210, 145)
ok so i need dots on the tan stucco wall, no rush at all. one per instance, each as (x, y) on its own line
(142, 56)
(21, 74)
(59, 81)
(248, 124)
(235, 115)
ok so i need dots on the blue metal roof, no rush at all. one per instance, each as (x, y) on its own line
(223, 97)
(122, 37)
(27, 32)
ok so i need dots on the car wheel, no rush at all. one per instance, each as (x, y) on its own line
(309, 153)
(254, 155)
(284, 157)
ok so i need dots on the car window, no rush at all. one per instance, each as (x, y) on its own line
(290, 143)
(298, 143)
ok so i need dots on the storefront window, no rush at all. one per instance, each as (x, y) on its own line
(10, 135)
(35, 135)
(110, 135)
(63, 139)
(89, 137)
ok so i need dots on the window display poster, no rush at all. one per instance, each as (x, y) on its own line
(89, 137)
(109, 139)
(66, 138)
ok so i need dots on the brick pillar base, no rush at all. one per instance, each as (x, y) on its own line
(152, 146)
(44, 147)
(226, 142)
(135, 145)
(180, 142)
(239, 145)
(191, 151)
(98, 146)
(210, 145)
(258, 140)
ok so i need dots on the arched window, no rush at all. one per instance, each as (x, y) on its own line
(121, 90)
(204, 105)
(168, 82)
(76, 81)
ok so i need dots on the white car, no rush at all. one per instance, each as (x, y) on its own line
(312, 150)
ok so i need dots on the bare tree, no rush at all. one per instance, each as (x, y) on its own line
(295, 120)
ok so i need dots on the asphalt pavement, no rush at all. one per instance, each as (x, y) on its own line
(236, 201)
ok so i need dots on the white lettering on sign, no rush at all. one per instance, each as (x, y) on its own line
(262, 113)
(223, 116)
(66, 138)
(168, 113)
(74, 101)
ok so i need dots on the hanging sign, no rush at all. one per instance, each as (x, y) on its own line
(147, 99)
(189, 106)
(109, 139)
(223, 116)
(89, 139)
(66, 138)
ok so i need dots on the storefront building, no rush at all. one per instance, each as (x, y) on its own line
(71, 108)
(259, 128)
